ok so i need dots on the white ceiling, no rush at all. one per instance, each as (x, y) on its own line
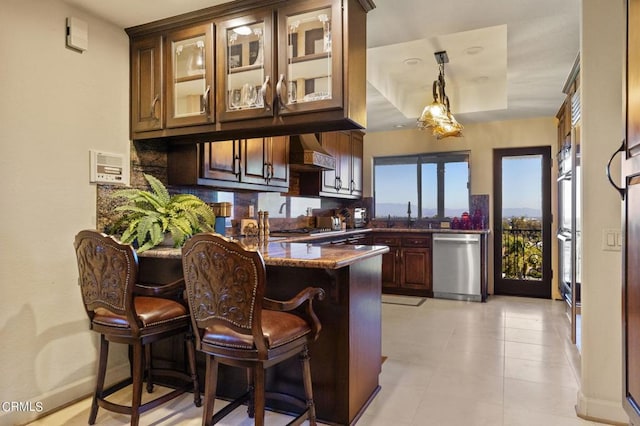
(527, 50)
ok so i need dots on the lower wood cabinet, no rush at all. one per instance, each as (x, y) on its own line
(406, 269)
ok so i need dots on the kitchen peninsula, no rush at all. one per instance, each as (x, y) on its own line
(346, 358)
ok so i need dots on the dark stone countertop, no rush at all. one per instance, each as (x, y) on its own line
(292, 254)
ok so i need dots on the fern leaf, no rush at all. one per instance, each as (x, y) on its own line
(158, 188)
(156, 233)
(146, 246)
(129, 235)
(178, 235)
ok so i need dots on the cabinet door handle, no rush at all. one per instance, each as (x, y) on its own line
(352, 186)
(205, 100)
(236, 160)
(621, 191)
(281, 98)
(267, 171)
(264, 90)
(153, 106)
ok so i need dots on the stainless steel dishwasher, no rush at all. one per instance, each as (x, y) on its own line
(456, 266)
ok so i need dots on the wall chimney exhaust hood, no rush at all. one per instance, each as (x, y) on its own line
(307, 155)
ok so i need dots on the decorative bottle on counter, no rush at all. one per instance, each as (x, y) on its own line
(266, 225)
(260, 224)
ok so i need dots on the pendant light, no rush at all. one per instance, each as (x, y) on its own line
(437, 115)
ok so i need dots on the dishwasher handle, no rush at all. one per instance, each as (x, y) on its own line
(455, 240)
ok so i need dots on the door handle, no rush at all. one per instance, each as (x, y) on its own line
(205, 100)
(621, 191)
(153, 106)
(238, 170)
(264, 90)
(279, 87)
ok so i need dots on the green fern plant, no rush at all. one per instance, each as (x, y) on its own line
(149, 215)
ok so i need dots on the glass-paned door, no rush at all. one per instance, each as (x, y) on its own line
(245, 67)
(190, 76)
(310, 56)
(522, 221)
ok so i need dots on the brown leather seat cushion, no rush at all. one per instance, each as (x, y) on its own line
(151, 311)
(278, 328)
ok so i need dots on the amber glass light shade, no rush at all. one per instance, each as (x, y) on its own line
(448, 128)
(437, 115)
(432, 114)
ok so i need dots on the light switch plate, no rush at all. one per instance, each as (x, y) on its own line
(611, 239)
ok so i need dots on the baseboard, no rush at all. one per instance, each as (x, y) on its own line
(602, 411)
(59, 398)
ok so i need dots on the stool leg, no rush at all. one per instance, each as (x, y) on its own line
(191, 355)
(148, 367)
(210, 385)
(251, 390)
(137, 383)
(102, 371)
(258, 382)
(308, 389)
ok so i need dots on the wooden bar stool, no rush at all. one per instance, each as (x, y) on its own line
(236, 325)
(108, 272)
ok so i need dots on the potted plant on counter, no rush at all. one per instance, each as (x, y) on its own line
(151, 216)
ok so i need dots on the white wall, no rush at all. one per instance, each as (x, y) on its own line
(55, 104)
(481, 140)
(602, 44)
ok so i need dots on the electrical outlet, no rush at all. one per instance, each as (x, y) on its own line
(251, 210)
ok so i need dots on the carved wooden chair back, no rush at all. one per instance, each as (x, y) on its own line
(225, 286)
(108, 272)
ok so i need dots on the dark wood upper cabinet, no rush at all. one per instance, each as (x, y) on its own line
(147, 91)
(189, 71)
(281, 68)
(266, 161)
(245, 66)
(310, 78)
(346, 180)
(260, 164)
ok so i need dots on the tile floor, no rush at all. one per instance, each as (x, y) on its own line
(505, 362)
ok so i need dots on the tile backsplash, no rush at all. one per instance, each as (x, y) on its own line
(286, 210)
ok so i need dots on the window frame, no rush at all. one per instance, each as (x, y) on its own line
(438, 158)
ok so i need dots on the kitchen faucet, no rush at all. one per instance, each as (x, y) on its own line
(282, 207)
(409, 220)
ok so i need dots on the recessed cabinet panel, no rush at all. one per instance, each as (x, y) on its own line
(266, 161)
(357, 154)
(245, 67)
(310, 64)
(221, 161)
(146, 84)
(190, 76)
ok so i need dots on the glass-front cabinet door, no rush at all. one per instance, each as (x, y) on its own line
(190, 76)
(309, 56)
(245, 67)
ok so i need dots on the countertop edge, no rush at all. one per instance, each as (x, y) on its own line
(344, 255)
